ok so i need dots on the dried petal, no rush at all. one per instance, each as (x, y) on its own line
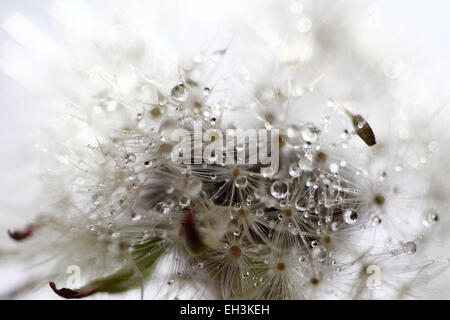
(192, 236)
(72, 294)
(22, 234)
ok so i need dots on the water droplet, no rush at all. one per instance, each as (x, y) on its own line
(267, 172)
(162, 207)
(304, 25)
(294, 170)
(310, 133)
(241, 182)
(279, 189)
(350, 216)
(136, 217)
(129, 158)
(301, 203)
(319, 253)
(207, 91)
(260, 213)
(410, 247)
(376, 221)
(185, 202)
(179, 92)
(334, 168)
(431, 217)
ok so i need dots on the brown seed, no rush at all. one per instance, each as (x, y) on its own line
(315, 281)
(235, 252)
(282, 141)
(326, 239)
(363, 130)
(281, 266)
(156, 112)
(236, 172)
(379, 199)
(321, 157)
(287, 212)
(242, 212)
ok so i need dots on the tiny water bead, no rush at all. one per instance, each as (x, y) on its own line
(260, 213)
(319, 253)
(431, 217)
(301, 203)
(376, 221)
(279, 189)
(294, 170)
(310, 133)
(185, 201)
(241, 182)
(350, 216)
(206, 91)
(410, 247)
(179, 92)
(162, 208)
(304, 25)
(129, 158)
(136, 217)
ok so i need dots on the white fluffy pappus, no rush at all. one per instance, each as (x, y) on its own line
(356, 210)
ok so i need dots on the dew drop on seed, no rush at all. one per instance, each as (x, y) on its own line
(241, 182)
(301, 203)
(294, 170)
(136, 217)
(179, 92)
(148, 164)
(310, 133)
(410, 247)
(350, 216)
(319, 253)
(267, 172)
(279, 189)
(334, 168)
(185, 202)
(162, 207)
